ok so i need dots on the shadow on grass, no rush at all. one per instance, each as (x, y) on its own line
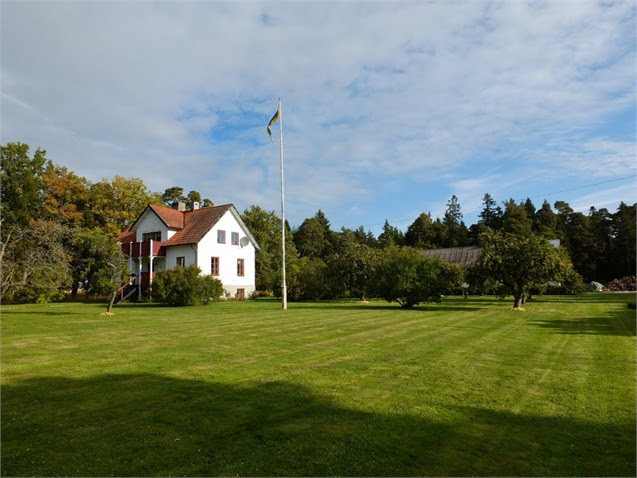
(618, 324)
(146, 424)
(389, 307)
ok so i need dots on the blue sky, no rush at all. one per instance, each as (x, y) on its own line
(388, 108)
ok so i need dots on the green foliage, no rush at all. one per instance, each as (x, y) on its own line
(311, 281)
(97, 262)
(33, 262)
(390, 236)
(266, 229)
(172, 195)
(116, 204)
(421, 232)
(520, 263)
(185, 286)
(491, 214)
(311, 239)
(407, 276)
(20, 176)
(516, 219)
(544, 221)
(351, 271)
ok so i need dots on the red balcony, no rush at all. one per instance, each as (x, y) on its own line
(142, 249)
(146, 278)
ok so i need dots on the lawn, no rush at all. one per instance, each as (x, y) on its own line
(466, 387)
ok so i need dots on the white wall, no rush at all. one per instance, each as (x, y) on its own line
(187, 251)
(228, 254)
(149, 222)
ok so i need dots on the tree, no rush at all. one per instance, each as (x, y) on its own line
(520, 263)
(116, 204)
(311, 239)
(457, 233)
(420, 233)
(516, 220)
(207, 203)
(173, 195)
(96, 262)
(601, 228)
(390, 236)
(491, 214)
(623, 250)
(266, 229)
(65, 196)
(311, 280)
(193, 197)
(33, 262)
(407, 276)
(544, 222)
(21, 179)
(351, 270)
(366, 238)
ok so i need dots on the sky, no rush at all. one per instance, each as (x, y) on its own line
(389, 108)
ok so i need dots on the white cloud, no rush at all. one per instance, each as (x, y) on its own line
(371, 91)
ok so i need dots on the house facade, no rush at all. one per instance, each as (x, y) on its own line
(213, 238)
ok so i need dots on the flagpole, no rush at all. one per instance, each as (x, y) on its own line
(284, 288)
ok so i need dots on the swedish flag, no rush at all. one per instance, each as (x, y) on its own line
(274, 119)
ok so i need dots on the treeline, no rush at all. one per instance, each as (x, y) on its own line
(58, 231)
(323, 263)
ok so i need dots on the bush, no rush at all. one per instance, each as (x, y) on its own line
(185, 286)
(408, 276)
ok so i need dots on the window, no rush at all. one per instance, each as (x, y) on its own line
(214, 266)
(241, 294)
(151, 236)
(235, 239)
(240, 267)
(221, 236)
(181, 262)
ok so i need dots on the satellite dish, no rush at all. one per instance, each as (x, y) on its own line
(244, 241)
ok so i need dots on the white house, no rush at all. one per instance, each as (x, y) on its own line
(213, 238)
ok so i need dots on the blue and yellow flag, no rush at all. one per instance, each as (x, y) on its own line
(274, 119)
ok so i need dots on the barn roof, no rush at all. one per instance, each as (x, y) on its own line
(456, 255)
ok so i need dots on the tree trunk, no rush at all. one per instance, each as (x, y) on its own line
(517, 301)
(112, 301)
(74, 288)
(523, 299)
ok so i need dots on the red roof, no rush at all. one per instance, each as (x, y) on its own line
(126, 237)
(192, 225)
(197, 224)
(171, 217)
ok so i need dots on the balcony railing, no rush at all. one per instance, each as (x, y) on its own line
(143, 249)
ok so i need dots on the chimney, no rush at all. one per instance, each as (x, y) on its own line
(181, 206)
(195, 205)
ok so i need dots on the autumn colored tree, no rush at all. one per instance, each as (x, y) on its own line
(115, 204)
(65, 196)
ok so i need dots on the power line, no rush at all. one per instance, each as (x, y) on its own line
(529, 197)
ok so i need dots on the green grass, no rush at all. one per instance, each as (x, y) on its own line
(467, 387)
